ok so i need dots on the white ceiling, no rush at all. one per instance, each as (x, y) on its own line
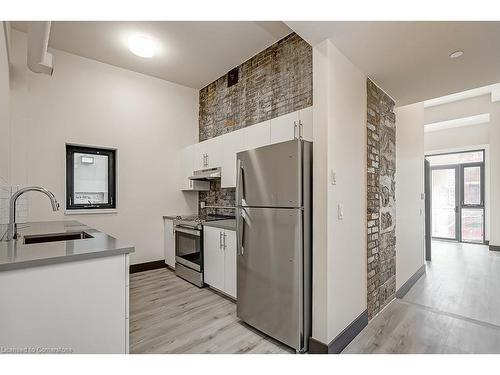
(190, 53)
(410, 60)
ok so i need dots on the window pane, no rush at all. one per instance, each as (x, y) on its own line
(443, 203)
(472, 225)
(472, 185)
(461, 158)
(91, 179)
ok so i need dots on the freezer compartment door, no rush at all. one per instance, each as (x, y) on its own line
(269, 274)
(271, 176)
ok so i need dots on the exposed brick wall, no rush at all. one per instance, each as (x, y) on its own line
(274, 82)
(381, 200)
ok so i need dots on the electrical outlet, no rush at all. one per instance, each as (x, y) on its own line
(202, 204)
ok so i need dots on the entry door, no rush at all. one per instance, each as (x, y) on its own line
(472, 203)
(458, 202)
(445, 198)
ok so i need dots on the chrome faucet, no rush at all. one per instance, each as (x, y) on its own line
(12, 230)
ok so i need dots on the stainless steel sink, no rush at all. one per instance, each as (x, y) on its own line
(53, 237)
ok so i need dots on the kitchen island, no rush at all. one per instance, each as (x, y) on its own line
(64, 288)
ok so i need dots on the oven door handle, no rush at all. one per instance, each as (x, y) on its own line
(188, 231)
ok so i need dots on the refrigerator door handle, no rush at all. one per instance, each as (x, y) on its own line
(240, 183)
(240, 231)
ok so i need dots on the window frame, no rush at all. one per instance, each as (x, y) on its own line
(71, 149)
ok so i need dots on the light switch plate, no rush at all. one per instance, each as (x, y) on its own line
(333, 178)
(340, 211)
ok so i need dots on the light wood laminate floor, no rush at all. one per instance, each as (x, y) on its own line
(169, 315)
(453, 308)
(462, 279)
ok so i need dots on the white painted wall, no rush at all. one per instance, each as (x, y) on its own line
(484, 136)
(86, 102)
(410, 225)
(340, 146)
(4, 109)
(458, 137)
(321, 97)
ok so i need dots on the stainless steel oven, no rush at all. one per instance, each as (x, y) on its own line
(189, 253)
(189, 246)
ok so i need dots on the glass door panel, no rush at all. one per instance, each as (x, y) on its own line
(444, 203)
(472, 186)
(472, 224)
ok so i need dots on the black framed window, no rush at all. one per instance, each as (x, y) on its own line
(90, 178)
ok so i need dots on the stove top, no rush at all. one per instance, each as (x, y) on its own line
(202, 218)
(198, 220)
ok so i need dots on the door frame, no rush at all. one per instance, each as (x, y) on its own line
(457, 200)
(459, 193)
(463, 205)
(428, 209)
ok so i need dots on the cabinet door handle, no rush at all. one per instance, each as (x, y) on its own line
(301, 130)
(220, 240)
(224, 240)
(295, 129)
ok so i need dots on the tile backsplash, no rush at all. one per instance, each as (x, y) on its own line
(22, 205)
(218, 196)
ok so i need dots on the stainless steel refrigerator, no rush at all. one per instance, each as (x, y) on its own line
(274, 225)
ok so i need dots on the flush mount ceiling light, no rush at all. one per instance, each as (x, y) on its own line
(141, 46)
(456, 54)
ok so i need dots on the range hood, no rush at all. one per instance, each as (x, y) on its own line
(206, 174)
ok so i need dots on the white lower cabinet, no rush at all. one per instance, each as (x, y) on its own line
(79, 307)
(213, 258)
(169, 242)
(219, 259)
(230, 262)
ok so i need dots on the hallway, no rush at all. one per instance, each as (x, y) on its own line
(453, 308)
(462, 279)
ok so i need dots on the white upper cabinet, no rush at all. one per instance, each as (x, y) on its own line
(187, 168)
(187, 156)
(306, 123)
(285, 128)
(208, 154)
(221, 151)
(257, 135)
(232, 143)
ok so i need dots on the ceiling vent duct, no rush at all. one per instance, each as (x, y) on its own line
(39, 60)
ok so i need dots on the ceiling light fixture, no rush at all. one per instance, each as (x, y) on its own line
(141, 46)
(456, 54)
